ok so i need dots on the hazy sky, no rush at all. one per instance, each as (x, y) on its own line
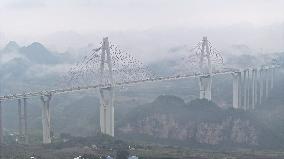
(144, 27)
(39, 17)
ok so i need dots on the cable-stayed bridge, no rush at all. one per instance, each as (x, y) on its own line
(108, 67)
(82, 88)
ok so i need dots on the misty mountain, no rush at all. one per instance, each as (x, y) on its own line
(11, 47)
(35, 53)
(15, 67)
(200, 123)
(31, 67)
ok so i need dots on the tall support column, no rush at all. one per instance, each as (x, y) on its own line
(261, 85)
(244, 86)
(25, 121)
(107, 111)
(275, 69)
(248, 87)
(272, 77)
(205, 87)
(236, 89)
(266, 82)
(1, 130)
(20, 120)
(254, 88)
(106, 94)
(1, 126)
(46, 127)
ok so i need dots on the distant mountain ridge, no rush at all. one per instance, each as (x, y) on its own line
(30, 67)
(11, 46)
(36, 53)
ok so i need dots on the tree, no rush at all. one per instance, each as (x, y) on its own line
(122, 154)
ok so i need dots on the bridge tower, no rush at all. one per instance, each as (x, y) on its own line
(106, 94)
(205, 81)
(46, 125)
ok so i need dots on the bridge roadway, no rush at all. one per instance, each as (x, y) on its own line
(81, 88)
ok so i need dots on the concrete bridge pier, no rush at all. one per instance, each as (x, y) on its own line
(254, 88)
(261, 85)
(266, 77)
(107, 111)
(272, 78)
(25, 117)
(275, 70)
(236, 90)
(248, 89)
(20, 120)
(23, 121)
(244, 89)
(1, 125)
(46, 126)
(205, 83)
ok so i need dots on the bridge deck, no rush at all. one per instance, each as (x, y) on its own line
(81, 88)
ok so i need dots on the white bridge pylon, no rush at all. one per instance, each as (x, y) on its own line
(106, 94)
(205, 82)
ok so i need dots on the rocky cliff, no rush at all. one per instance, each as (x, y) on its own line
(199, 122)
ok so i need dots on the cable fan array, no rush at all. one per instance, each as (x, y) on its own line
(193, 61)
(124, 68)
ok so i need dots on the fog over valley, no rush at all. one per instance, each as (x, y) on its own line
(148, 79)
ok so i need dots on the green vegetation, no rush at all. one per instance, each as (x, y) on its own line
(163, 120)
